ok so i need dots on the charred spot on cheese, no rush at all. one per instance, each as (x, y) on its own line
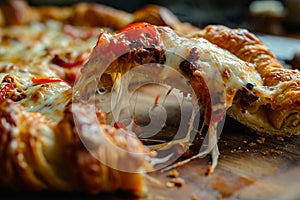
(226, 74)
(245, 97)
(187, 67)
(148, 55)
(250, 86)
(11, 89)
(134, 58)
(193, 55)
(9, 112)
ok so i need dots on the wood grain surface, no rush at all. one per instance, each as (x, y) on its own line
(250, 167)
(268, 170)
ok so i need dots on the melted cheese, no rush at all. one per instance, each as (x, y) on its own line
(27, 51)
(212, 62)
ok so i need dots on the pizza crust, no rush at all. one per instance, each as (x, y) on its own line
(260, 123)
(279, 92)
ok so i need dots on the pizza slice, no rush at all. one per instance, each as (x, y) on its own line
(218, 78)
(241, 77)
(277, 111)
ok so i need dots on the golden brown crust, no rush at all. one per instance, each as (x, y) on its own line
(249, 48)
(157, 15)
(162, 16)
(28, 159)
(36, 155)
(89, 14)
(92, 175)
(268, 122)
(44, 13)
(18, 12)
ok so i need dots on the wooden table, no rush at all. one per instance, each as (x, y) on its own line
(268, 170)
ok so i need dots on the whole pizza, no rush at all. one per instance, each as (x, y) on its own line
(63, 68)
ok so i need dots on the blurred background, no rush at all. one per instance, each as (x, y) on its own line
(275, 22)
(266, 16)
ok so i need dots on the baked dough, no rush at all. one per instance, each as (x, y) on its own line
(277, 113)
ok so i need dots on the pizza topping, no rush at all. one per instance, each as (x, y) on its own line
(9, 112)
(134, 31)
(11, 88)
(212, 72)
(178, 182)
(120, 125)
(136, 36)
(5, 89)
(67, 60)
(43, 80)
(173, 174)
(245, 97)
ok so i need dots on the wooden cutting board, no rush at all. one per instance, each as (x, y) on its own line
(268, 170)
(250, 167)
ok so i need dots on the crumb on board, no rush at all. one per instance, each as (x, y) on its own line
(223, 141)
(280, 138)
(173, 174)
(169, 184)
(209, 170)
(261, 140)
(251, 144)
(194, 198)
(272, 151)
(178, 182)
